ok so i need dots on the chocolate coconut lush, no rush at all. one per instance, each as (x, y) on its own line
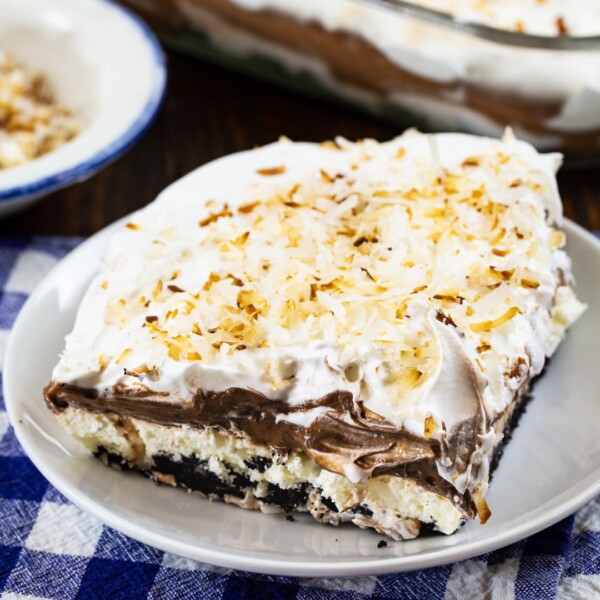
(344, 329)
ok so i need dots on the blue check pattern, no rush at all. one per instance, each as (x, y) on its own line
(50, 549)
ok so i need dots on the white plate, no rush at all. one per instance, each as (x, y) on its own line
(549, 469)
(103, 63)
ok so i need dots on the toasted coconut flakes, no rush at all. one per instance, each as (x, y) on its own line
(503, 274)
(104, 285)
(214, 217)
(252, 301)
(472, 161)
(449, 298)
(326, 177)
(164, 479)
(401, 310)
(428, 427)
(444, 318)
(132, 226)
(171, 314)
(239, 241)
(520, 368)
(131, 373)
(367, 273)
(175, 289)
(234, 280)
(212, 278)
(103, 361)
(370, 414)
(561, 26)
(436, 212)
(144, 369)
(530, 283)
(556, 239)
(497, 238)
(158, 288)
(500, 251)
(494, 323)
(270, 171)
(329, 145)
(188, 306)
(248, 208)
(127, 352)
(533, 249)
(483, 510)
(410, 378)
(174, 350)
(32, 124)
(344, 260)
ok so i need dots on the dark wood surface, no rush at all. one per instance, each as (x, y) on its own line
(209, 112)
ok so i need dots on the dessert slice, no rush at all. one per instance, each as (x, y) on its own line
(344, 329)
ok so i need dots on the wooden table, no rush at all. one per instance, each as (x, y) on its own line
(209, 112)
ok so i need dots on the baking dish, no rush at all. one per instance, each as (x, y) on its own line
(537, 69)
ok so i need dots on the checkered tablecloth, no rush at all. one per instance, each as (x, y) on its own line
(50, 549)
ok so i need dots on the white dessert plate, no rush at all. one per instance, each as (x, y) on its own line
(104, 64)
(549, 469)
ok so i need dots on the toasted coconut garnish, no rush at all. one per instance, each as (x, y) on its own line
(429, 427)
(370, 414)
(270, 171)
(214, 217)
(483, 510)
(338, 257)
(498, 322)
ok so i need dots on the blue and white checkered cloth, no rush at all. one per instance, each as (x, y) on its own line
(50, 549)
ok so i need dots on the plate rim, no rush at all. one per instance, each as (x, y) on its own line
(105, 155)
(586, 489)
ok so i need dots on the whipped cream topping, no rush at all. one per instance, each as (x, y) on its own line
(424, 276)
(570, 79)
(540, 17)
(545, 17)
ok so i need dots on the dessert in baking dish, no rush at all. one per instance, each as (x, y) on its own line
(413, 70)
(346, 329)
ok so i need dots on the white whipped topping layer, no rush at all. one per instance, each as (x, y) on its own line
(540, 17)
(424, 276)
(547, 17)
(571, 79)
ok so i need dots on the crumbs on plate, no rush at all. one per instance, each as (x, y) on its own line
(31, 122)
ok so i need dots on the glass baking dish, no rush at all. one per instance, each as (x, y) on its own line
(409, 63)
